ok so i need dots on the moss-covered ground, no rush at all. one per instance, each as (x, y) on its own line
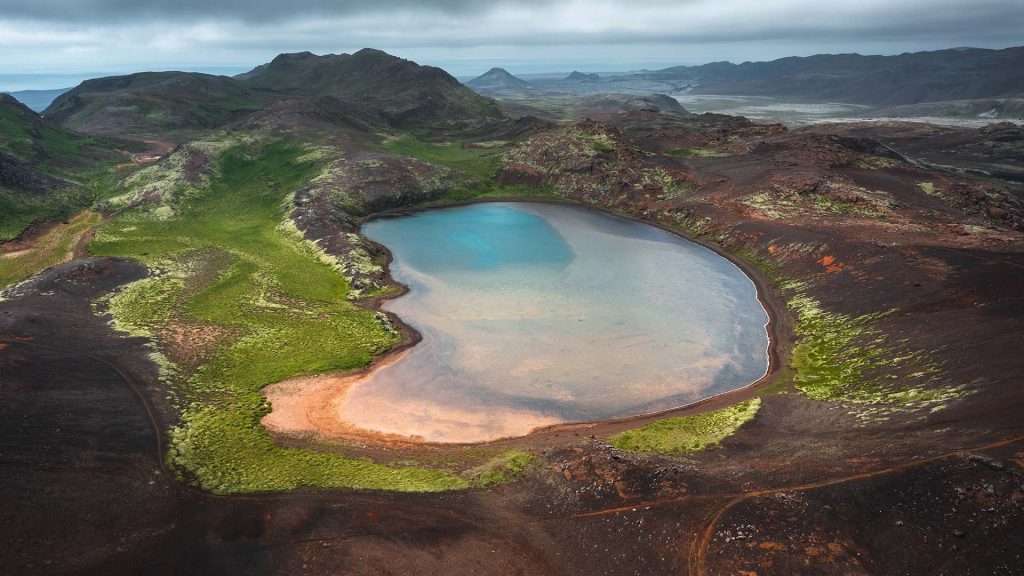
(698, 153)
(687, 434)
(55, 246)
(501, 469)
(225, 262)
(477, 160)
(839, 357)
(54, 148)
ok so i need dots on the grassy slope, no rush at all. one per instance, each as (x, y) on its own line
(477, 161)
(56, 152)
(158, 104)
(53, 247)
(18, 211)
(687, 434)
(284, 308)
(481, 162)
(55, 148)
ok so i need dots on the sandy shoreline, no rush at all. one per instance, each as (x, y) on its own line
(309, 405)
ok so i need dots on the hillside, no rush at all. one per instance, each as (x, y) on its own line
(956, 74)
(154, 103)
(180, 105)
(405, 93)
(45, 170)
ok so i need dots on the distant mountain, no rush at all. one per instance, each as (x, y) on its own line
(174, 105)
(38, 100)
(402, 91)
(497, 79)
(577, 76)
(957, 74)
(155, 103)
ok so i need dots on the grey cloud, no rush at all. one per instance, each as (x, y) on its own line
(789, 20)
(65, 35)
(87, 11)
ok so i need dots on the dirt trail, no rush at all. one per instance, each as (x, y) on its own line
(699, 546)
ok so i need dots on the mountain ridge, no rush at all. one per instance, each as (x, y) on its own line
(403, 93)
(909, 78)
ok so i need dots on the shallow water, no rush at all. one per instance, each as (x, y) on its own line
(535, 314)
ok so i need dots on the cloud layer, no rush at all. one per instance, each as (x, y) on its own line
(467, 36)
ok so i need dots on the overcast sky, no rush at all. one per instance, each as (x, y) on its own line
(54, 43)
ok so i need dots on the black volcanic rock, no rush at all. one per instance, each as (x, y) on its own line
(497, 79)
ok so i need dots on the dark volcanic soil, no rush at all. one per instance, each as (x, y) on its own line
(805, 488)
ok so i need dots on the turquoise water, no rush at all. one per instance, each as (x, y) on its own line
(535, 314)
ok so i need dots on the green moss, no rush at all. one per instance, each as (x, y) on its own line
(141, 308)
(598, 141)
(698, 153)
(779, 203)
(54, 148)
(928, 188)
(52, 248)
(479, 161)
(82, 166)
(232, 262)
(495, 192)
(844, 358)
(687, 434)
(671, 187)
(871, 162)
(501, 469)
(225, 450)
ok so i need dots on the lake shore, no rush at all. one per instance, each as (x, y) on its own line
(306, 409)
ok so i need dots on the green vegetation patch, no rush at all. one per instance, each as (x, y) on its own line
(872, 162)
(18, 211)
(502, 469)
(496, 192)
(845, 358)
(779, 203)
(53, 247)
(141, 308)
(687, 434)
(698, 153)
(35, 140)
(280, 306)
(479, 161)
